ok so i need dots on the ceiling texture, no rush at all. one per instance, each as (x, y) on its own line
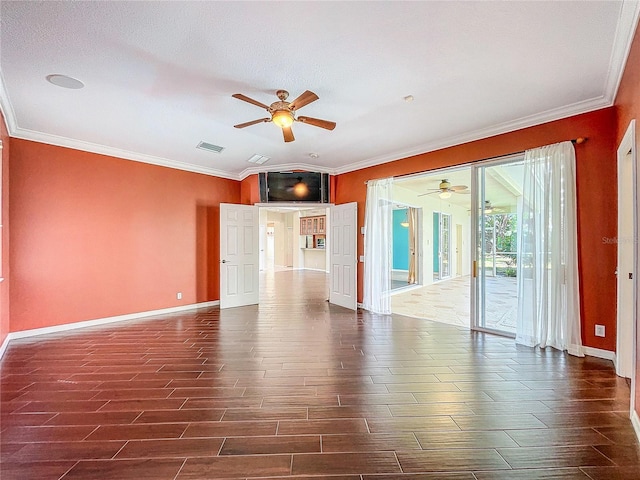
(159, 76)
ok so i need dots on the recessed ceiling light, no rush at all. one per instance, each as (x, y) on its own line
(314, 155)
(408, 98)
(64, 81)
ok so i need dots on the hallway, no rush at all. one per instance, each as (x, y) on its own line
(298, 388)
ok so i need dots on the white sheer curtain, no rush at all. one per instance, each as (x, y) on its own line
(548, 289)
(377, 246)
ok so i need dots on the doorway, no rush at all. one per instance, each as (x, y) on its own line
(443, 201)
(406, 270)
(627, 258)
(255, 230)
(441, 246)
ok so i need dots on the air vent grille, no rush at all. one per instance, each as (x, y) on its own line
(210, 147)
(258, 159)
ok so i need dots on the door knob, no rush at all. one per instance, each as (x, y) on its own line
(223, 261)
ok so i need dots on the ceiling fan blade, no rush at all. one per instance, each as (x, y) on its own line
(305, 99)
(428, 193)
(458, 188)
(288, 134)
(316, 122)
(252, 122)
(244, 98)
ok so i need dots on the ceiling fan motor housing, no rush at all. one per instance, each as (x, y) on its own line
(282, 105)
(282, 95)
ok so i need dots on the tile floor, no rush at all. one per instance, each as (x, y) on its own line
(449, 301)
(297, 388)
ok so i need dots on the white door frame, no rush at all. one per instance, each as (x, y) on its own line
(627, 294)
(239, 255)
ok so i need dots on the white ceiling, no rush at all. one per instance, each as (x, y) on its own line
(159, 75)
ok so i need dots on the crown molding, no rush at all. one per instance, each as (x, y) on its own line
(625, 31)
(6, 107)
(285, 168)
(518, 124)
(26, 134)
(60, 141)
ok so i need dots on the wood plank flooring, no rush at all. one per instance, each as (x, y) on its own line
(297, 388)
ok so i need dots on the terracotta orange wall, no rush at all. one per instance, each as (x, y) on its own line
(249, 190)
(628, 107)
(596, 205)
(96, 236)
(4, 286)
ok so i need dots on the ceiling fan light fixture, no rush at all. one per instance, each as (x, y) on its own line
(488, 208)
(282, 118)
(444, 195)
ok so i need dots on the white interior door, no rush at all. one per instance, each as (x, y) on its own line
(239, 255)
(627, 231)
(343, 254)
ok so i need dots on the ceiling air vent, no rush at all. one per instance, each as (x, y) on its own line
(210, 147)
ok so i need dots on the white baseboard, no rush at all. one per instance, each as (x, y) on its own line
(599, 353)
(100, 321)
(635, 421)
(399, 274)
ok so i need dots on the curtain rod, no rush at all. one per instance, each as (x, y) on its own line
(576, 141)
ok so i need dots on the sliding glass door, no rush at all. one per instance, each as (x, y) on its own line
(495, 207)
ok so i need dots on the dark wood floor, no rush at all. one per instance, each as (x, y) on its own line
(298, 388)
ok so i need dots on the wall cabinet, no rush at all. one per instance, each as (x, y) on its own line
(312, 225)
(314, 228)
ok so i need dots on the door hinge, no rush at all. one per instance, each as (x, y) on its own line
(475, 269)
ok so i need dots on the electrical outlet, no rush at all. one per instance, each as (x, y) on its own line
(599, 330)
(179, 295)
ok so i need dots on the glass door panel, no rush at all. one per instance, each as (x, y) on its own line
(496, 205)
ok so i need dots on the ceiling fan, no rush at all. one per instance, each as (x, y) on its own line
(283, 113)
(489, 208)
(445, 189)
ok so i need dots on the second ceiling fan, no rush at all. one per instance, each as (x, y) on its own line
(445, 189)
(283, 113)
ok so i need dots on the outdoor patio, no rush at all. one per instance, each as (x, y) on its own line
(449, 301)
